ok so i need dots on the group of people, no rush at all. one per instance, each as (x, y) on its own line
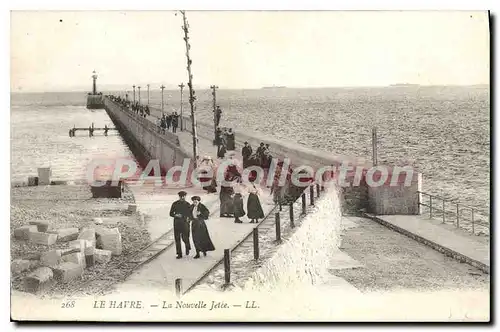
(191, 218)
(142, 110)
(168, 121)
(224, 139)
(262, 156)
(231, 199)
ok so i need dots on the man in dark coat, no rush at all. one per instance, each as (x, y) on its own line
(181, 211)
(169, 121)
(201, 238)
(218, 113)
(175, 122)
(246, 152)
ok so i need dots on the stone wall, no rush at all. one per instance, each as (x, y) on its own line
(143, 138)
(385, 199)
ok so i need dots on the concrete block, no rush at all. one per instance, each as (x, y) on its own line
(42, 225)
(76, 257)
(132, 207)
(80, 244)
(39, 280)
(88, 234)
(23, 232)
(44, 174)
(50, 258)
(20, 265)
(89, 256)
(68, 271)
(110, 239)
(102, 256)
(66, 234)
(32, 181)
(46, 239)
(70, 251)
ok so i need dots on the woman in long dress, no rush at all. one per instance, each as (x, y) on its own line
(239, 211)
(254, 207)
(201, 238)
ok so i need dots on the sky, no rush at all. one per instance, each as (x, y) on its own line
(57, 51)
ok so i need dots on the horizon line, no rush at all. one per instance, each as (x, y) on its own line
(394, 85)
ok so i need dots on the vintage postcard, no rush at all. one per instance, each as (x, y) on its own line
(185, 166)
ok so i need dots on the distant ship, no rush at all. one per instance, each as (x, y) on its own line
(274, 87)
(405, 85)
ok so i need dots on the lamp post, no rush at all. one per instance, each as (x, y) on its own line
(133, 86)
(139, 93)
(162, 87)
(148, 94)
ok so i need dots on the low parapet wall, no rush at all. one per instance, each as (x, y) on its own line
(396, 195)
(143, 139)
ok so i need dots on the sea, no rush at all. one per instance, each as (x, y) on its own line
(442, 131)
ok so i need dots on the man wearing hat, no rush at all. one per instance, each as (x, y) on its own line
(246, 152)
(180, 211)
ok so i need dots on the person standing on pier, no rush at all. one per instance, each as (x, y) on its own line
(201, 237)
(230, 140)
(246, 152)
(169, 121)
(218, 114)
(181, 211)
(254, 207)
(175, 122)
(239, 211)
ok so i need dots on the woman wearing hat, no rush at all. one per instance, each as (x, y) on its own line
(254, 207)
(201, 238)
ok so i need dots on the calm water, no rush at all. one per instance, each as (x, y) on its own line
(444, 132)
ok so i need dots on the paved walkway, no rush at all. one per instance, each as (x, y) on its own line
(225, 234)
(471, 246)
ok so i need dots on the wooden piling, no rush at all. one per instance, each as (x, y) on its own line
(278, 226)
(317, 189)
(178, 287)
(458, 216)
(227, 266)
(444, 213)
(292, 223)
(255, 243)
(311, 194)
(303, 203)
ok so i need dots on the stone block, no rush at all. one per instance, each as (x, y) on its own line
(42, 225)
(46, 239)
(39, 280)
(66, 234)
(23, 232)
(102, 256)
(68, 271)
(80, 244)
(76, 257)
(20, 265)
(44, 174)
(132, 207)
(88, 234)
(70, 251)
(89, 256)
(32, 181)
(50, 258)
(110, 239)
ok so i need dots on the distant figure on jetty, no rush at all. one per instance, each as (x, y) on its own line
(201, 237)
(169, 121)
(239, 211)
(218, 114)
(227, 191)
(163, 124)
(181, 211)
(230, 145)
(246, 152)
(254, 207)
(209, 183)
(218, 140)
(175, 122)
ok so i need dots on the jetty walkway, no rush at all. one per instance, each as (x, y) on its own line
(225, 234)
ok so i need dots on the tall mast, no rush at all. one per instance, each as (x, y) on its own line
(192, 98)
